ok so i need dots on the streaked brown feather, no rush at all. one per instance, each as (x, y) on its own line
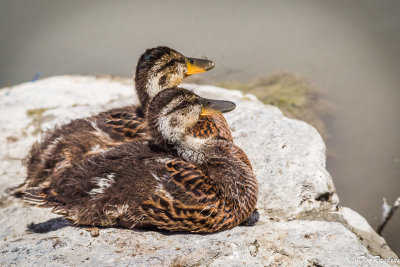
(212, 126)
(178, 196)
(74, 142)
(192, 198)
(130, 126)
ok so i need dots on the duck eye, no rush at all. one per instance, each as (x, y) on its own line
(183, 104)
(191, 61)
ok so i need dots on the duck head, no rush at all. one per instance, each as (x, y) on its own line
(162, 67)
(173, 112)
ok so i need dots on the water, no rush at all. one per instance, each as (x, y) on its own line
(350, 50)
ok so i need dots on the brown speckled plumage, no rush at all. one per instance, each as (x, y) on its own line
(79, 139)
(156, 183)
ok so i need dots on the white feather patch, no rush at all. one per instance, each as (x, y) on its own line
(102, 184)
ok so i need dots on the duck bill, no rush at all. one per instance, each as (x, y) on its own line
(197, 65)
(211, 106)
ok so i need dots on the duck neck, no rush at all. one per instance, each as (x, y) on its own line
(177, 139)
(188, 147)
(192, 149)
(147, 86)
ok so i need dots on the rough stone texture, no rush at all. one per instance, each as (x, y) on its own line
(301, 221)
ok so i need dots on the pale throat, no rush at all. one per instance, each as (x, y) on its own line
(192, 148)
(152, 86)
(188, 147)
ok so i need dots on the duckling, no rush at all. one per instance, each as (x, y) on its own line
(173, 182)
(158, 68)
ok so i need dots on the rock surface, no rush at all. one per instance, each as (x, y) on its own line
(301, 222)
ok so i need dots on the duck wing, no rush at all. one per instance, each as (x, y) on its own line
(132, 185)
(102, 189)
(74, 142)
(187, 201)
(213, 126)
(124, 124)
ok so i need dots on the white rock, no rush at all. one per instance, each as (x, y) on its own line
(301, 222)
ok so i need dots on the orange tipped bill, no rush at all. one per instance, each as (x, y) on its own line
(197, 65)
(211, 106)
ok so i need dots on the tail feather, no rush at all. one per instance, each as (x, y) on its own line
(35, 196)
(42, 197)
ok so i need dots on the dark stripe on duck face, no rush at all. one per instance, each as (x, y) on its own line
(189, 103)
(176, 109)
(171, 63)
(163, 80)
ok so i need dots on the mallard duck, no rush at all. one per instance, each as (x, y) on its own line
(174, 182)
(158, 68)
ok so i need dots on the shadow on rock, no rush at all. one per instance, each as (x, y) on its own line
(48, 226)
